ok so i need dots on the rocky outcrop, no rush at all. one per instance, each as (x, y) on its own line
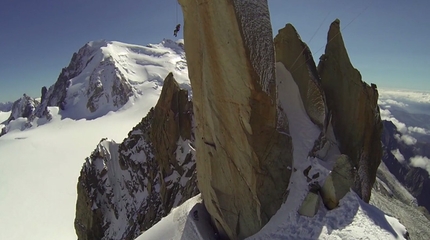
(23, 107)
(126, 188)
(295, 55)
(338, 182)
(355, 113)
(243, 161)
(311, 203)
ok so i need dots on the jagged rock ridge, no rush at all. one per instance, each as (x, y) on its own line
(342, 105)
(126, 188)
(354, 111)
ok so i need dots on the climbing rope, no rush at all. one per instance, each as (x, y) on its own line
(346, 25)
(177, 24)
(357, 16)
(315, 33)
(176, 10)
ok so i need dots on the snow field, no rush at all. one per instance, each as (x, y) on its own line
(39, 169)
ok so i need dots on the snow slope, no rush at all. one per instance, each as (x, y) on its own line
(39, 166)
(3, 117)
(353, 219)
(415, 221)
(39, 169)
(190, 221)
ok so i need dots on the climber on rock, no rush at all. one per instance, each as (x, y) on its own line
(175, 32)
(196, 215)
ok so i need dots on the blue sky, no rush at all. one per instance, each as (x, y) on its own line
(387, 41)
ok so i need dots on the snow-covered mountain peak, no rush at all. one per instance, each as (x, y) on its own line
(104, 75)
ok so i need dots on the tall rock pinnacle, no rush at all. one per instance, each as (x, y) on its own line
(297, 58)
(355, 112)
(243, 162)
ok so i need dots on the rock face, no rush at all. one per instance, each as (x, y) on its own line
(297, 58)
(126, 188)
(243, 162)
(173, 114)
(355, 113)
(311, 203)
(338, 183)
(107, 85)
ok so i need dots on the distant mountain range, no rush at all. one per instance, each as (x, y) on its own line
(6, 106)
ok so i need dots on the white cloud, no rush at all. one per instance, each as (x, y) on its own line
(407, 139)
(401, 127)
(398, 155)
(413, 96)
(418, 130)
(385, 113)
(389, 102)
(421, 162)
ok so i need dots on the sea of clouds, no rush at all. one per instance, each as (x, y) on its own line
(409, 111)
